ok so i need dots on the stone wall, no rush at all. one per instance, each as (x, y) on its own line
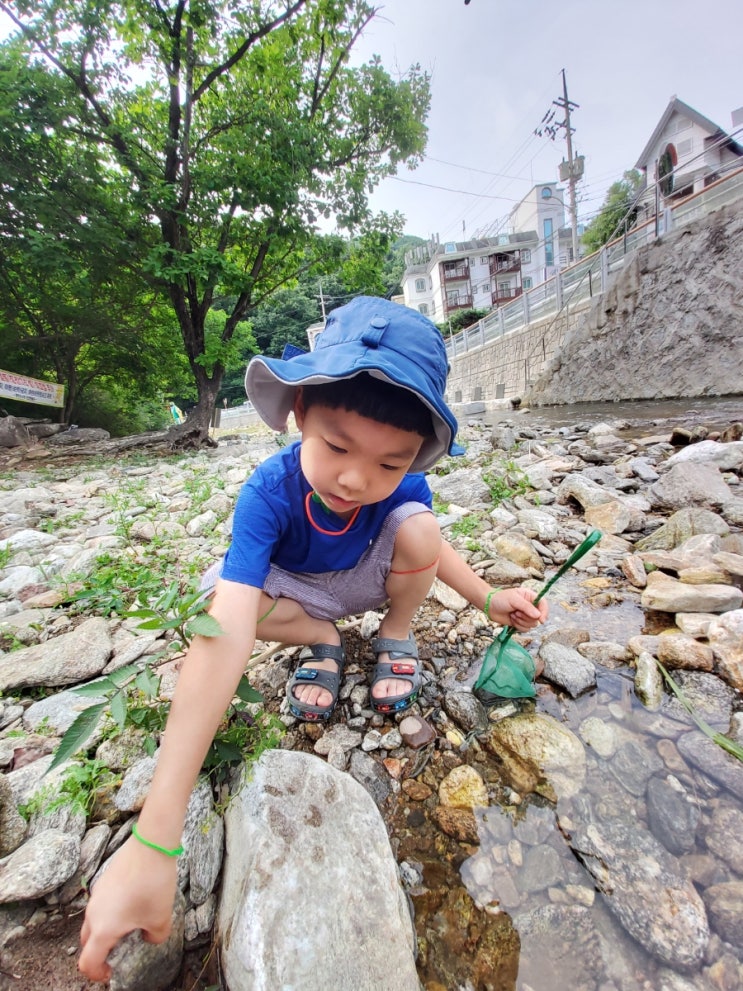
(669, 325)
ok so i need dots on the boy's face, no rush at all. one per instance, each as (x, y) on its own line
(350, 460)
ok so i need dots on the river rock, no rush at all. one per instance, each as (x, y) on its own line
(648, 681)
(685, 652)
(567, 668)
(726, 457)
(712, 761)
(567, 937)
(517, 547)
(64, 660)
(667, 594)
(554, 752)
(725, 635)
(464, 487)
(297, 832)
(203, 836)
(724, 836)
(646, 890)
(690, 484)
(725, 905)
(673, 815)
(140, 966)
(463, 788)
(12, 823)
(682, 525)
(42, 864)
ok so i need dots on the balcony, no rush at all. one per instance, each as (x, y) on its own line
(505, 263)
(460, 302)
(501, 296)
(455, 271)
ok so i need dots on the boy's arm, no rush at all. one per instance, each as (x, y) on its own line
(512, 606)
(138, 887)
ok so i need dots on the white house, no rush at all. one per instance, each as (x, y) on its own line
(686, 152)
(543, 210)
(443, 277)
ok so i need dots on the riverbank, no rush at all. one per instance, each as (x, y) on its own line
(516, 831)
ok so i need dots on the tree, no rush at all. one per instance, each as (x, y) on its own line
(618, 213)
(73, 305)
(231, 129)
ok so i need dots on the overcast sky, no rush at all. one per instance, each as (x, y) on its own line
(495, 68)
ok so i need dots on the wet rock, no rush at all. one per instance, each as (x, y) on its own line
(460, 824)
(724, 836)
(600, 736)
(567, 668)
(463, 788)
(713, 761)
(645, 890)
(666, 594)
(140, 966)
(672, 815)
(708, 695)
(466, 710)
(294, 802)
(633, 765)
(416, 732)
(567, 937)
(725, 906)
(648, 681)
(371, 775)
(552, 751)
(543, 867)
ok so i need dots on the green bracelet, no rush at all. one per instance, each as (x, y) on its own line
(176, 852)
(486, 607)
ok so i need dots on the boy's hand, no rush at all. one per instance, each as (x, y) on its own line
(515, 607)
(136, 891)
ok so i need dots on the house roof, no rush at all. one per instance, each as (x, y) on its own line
(678, 106)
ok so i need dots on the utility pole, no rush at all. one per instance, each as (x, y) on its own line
(572, 170)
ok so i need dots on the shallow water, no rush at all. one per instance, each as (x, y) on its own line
(643, 415)
(527, 864)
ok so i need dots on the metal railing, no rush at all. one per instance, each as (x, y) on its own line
(590, 276)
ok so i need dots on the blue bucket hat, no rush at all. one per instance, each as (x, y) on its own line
(389, 341)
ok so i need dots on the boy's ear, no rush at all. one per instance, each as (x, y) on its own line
(298, 407)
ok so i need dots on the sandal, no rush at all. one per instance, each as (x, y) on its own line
(329, 680)
(404, 664)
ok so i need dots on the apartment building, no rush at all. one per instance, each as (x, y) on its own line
(443, 277)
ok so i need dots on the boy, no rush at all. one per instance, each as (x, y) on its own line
(334, 525)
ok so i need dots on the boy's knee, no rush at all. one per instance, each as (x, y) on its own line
(418, 535)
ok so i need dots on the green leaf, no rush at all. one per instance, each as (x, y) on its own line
(148, 683)
(118, 710)
(122, 675)
(246, 692)
(77, 734)
(205, 625)
(94, 689)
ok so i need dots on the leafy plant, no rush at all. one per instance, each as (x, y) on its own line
(466, 527)
(719, 738)
(6, 553)
(78, 789)
(241, 735)
(115, 585)
(507, 481)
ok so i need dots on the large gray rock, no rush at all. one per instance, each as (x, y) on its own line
(140, 966)
(63, 660)
(646, 890)
(310, 896)
(667, 594)
(690, 484)
(42, 864)
(683, 524)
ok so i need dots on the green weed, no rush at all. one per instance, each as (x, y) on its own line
(466, 527)
(506, 480)
(78, 788)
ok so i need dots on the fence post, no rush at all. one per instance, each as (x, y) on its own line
(501, 321)
(525, 307)
(558, 291)
(481, 325)
(604, 260)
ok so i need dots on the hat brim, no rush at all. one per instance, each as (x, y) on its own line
(271, 385)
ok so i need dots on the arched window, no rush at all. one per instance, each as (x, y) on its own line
(666, 164)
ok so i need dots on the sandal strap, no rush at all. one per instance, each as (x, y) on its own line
(397, 649)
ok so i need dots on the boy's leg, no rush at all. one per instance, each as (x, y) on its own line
(413, 569)
(285, 621)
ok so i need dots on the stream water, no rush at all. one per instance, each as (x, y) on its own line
(572, 937)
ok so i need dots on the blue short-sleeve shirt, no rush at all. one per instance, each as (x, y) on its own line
(271, 524)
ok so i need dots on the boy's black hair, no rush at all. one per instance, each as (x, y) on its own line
(374, 398)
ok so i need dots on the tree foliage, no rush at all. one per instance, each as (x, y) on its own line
(228, 131)
(618, 213)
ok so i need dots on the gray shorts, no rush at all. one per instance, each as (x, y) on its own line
(334, 594)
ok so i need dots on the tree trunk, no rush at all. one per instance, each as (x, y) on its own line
(194, 433)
